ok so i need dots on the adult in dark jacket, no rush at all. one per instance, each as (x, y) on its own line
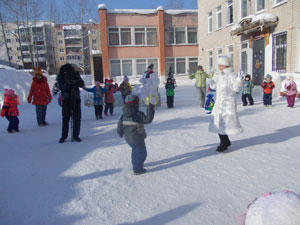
(131, 125)
(40, 92)
(69, 82)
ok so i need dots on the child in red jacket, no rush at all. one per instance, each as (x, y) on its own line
(268, 86)
(40, 92)
(109, 96)
(10, 110)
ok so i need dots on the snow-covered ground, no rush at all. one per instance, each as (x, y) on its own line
(43, 182)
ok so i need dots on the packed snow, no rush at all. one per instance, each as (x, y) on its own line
(43, 182)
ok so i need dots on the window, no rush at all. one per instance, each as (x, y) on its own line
(192, 35)
(74, 57)
(62, 58)
(8, 40)
(279, 52)
(260, 5)
(7, 32)
(17, 40)
(151, 36)
(169, 35)
(170, 64)
(93, 32)
(243, 8)
(155, 63)
(127, 67)
(230, 51)
(9, 49)
(11, 58)
(219, 17)
(61, 50)
(113, 36)
(19, 57)
(180, 66)
(219, 54)
(18, 48)
(59, 33)
(177, 65)
(244, 57)
(180, 35)
(60, 42)
(115, 67)
(140, 36)
(141, 65)
(229, 12)
(210, 61)
(94, 41)
(209, 22)
(193, 64)
(125, 36)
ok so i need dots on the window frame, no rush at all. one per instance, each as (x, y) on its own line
(210, 59)
(274, 54)
(276, 3)
(187, 61)
(256, 6)
(218, 14)
(209, 22)
(240, 9)
(228, 13)
(186, 35)
(246, 50)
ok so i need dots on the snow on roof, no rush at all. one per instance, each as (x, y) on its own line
(160, 8)
(265, 17)
(101, 6)
(72, 27)
(181, 11)
(96, 52)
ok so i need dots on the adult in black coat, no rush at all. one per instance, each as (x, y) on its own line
(69, 82)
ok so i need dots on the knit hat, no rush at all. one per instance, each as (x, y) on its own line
(269, 76)
(126, 78)
(290, 77)
(151, 66)
(9, 91)
(132, 100)
(225, 61)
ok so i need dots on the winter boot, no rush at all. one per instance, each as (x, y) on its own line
(223, 143)
(62, 140)
(78, 139)
(140, 172)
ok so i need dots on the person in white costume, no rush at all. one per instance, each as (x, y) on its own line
(225, 119)
(150, 83)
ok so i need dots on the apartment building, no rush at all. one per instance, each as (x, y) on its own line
(75, 44)
(260, 35)
(133, 39)
(28, 45)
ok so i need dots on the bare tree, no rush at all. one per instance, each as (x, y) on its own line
(4, 38)
(175, 4)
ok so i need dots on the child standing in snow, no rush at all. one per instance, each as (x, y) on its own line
(10, 110)
(268, 86)
(131, 124)
(109, 96)
(125, 88)
(170, 92)
(98, 92)
(291, 90)
(247, 91)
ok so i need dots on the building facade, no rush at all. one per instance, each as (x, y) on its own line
(257, 34)
(133, 39)
(29, 45)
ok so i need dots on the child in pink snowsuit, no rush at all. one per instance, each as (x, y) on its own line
(291, 90)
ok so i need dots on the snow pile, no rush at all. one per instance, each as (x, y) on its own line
(277, 208)
(2, 67)
(101, 6)
(181, 11)
(20, 81)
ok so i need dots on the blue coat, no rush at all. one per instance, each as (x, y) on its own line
(98, 99)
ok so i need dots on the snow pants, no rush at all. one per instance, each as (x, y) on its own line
(201, 94)
(109, 106)
(41, 114)
(98, 111)
(170, 101)
(291, 100)
(68, 110)
(138, 156)
(250, 99)
(13, 123)
(267, 99)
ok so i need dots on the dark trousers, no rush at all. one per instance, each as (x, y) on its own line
(109, 106)
(13, 123)
(267, 99)
(41, 114)
(250, 99)
(170, 101)
(291, 100)
(68, 110)
(138, 156)
(98, 111)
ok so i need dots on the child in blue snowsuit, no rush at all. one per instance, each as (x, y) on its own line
(98, 98)
(131, 125)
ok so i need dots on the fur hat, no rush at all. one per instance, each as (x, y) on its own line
(132, 100)
(269, 76)
(225, 61)
(37, 71)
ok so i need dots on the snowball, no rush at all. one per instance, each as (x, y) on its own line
(280, 208)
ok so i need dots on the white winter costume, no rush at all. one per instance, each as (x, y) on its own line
(226, 84)
(150, 86)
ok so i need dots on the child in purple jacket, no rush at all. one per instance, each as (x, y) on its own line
(291, 90)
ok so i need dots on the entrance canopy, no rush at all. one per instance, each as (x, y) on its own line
(254, 23)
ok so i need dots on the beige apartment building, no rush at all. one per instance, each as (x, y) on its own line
(76, 44)
(261, 36)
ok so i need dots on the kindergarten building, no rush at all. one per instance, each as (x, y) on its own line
(262, 36)
(133, 39)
